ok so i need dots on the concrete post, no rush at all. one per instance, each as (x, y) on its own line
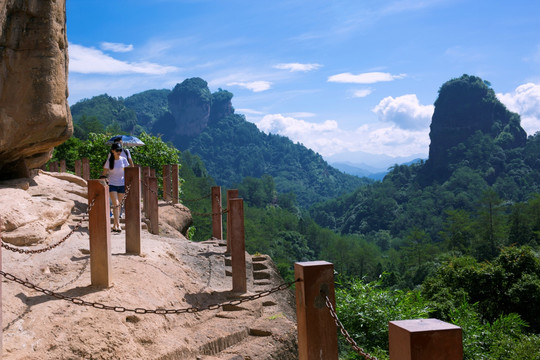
(78, 168)
(86, 169)
(167, 182)
(231, 194)
(317, 331)
(152, 208)
(238, 246)
(424, 339)
(145, 176)
(99, 229)
(217, 218)
(133, 210)
(174, 184)
(63, 166)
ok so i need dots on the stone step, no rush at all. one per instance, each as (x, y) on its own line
(259, 275)
(259, 266)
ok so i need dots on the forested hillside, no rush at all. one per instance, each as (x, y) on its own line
(194, 119)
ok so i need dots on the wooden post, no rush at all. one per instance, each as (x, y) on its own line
(174, 184)
(133, 210)
(78, 168)
(145, 176)
(167, 182)
(217, 219)
(231, 194)
(63, 166)
(152, 208)
(152, 172)
(317, 331)
(99, 229)
(86, 169)
(424, 339)
(53, 166)
(238, 246)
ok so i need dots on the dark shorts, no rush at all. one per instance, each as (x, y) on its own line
(118, 189)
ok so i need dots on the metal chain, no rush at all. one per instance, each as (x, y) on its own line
(121, 309)
(121, 205)
(185, 210)
(52, 246)
(344, 332)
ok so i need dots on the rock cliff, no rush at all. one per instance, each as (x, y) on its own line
(189, 103)
(465, 106)
(34, 113)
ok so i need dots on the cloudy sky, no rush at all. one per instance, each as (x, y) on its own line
(353, 80)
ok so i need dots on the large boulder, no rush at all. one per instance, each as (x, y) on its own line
(34, 113)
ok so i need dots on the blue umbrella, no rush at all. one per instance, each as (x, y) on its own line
(127, 140)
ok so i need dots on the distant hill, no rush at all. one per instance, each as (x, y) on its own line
(205, 124)
(479, 155)
(359, 171)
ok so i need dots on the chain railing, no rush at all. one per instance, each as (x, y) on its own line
(344, 332)
(186, 210)
(123, 202)
(139, 310)
(52, 246)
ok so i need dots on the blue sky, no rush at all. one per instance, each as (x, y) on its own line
(353, 80)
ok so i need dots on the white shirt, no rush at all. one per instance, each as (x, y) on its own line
(116, 175)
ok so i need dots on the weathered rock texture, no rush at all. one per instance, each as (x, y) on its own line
(34, 113)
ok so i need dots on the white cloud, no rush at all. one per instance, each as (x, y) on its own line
(255, 86)
(249, 111)
(361, 93)
(525, 101)
(92, 61)
(116, 47)
(404, 111)
(364, 78)
(292, 67)
(327, 138)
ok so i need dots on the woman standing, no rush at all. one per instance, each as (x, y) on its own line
(114, 168)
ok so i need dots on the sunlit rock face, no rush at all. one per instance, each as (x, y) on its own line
(34, 113)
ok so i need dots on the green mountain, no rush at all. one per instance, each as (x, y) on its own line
(205, 124)
(486, 163)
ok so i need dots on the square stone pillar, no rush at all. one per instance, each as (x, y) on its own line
(99, 232)
(424, 339)
(133, 210)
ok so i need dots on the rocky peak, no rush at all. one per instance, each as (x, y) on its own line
(189, 103)
(465, 106)
(34, 114)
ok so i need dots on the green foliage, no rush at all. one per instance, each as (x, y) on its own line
(366, 308)
(69, 151)
(233, 149)
(510, 284)
(104, 110)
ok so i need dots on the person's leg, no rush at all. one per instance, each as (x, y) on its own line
(116, 210)
(120, 198)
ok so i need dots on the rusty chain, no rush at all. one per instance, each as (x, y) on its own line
(52, 246)
(344, 332)
(121, 205)
(185, 210)
(121, 309)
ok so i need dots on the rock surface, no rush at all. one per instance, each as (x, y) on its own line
(34, 113)
(171, 273)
